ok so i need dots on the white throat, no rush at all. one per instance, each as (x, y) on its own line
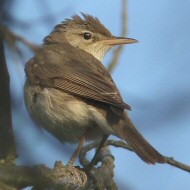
(98, 50)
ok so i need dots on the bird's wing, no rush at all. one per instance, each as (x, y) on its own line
(86, 78)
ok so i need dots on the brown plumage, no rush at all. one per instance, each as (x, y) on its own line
(70, 93)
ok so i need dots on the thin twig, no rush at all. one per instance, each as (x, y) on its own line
(118, 50)
(11, 38)
(122, 144)
(171, 161)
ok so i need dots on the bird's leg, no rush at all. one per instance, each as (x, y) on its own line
(94, 159)
(77, 151)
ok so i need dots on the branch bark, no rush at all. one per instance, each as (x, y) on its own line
(7, 145)
(67, 177)
(42, 177)
(101, 177)
(169, 160)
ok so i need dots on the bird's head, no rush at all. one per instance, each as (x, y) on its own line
(88, 34)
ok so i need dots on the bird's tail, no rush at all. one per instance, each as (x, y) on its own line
(137, 142)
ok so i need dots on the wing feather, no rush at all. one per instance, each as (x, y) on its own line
(76, 76)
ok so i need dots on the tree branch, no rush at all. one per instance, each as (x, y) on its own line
(7, 145)
(122, 144)
(61, 177)
(68, 177)
(100, 178)
(177, 164)
(42, 177)
(11, 38)
(118, 50)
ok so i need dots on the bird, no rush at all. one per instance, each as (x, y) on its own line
(70, 93)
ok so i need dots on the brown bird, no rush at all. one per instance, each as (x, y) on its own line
(69, 92)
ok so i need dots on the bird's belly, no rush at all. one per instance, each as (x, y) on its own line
(60, 113)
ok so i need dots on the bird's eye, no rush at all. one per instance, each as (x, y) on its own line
(87, 36)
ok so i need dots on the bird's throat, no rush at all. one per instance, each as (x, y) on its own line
(98, 51)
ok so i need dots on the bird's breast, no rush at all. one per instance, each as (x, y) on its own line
(66, 117)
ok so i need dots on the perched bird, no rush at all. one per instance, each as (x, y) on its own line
(69, 92)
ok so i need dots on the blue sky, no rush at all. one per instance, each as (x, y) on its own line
(153, 76)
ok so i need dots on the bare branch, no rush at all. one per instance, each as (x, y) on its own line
(42, 177)
(11, 38)
(68, 177)
(122, 144)
(118, 50)
(100, 178)
(7, 145)
(177, 164)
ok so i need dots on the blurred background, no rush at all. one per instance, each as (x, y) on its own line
(153, 77)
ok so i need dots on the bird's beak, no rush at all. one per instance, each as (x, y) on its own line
(119, 41)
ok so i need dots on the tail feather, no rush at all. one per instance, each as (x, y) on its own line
(138, 143)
